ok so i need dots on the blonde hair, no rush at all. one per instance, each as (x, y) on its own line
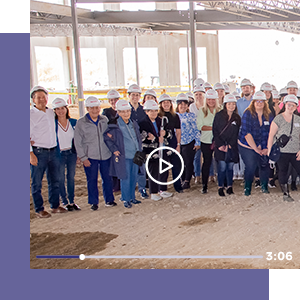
(266, 110)
(205, 107)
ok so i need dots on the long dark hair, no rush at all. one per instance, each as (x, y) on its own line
(225, 109)
(283, 110)
(67, 113)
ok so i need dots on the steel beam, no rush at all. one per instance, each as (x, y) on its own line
(193, 43)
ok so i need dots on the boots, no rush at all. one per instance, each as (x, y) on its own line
(264, 187)
(247, 188)
(286, 194)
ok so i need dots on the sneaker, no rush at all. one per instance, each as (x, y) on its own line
(68, 207)
(272, 184)
(293, 186)
(134, 201)
(127, 204)
(165, 194)
(186, 185)
(111, 204)
(156, 197)
(221, 192)
(229, 191)
(58, 210)
(288, 198)
(257, 183)
(43, 214)
(76, 207)
(144, 194)
(240, 177)
(94, 207)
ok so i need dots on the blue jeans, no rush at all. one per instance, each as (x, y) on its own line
(47, 159)
(128, 184)
(252, 161)
(92, 181)
(225, 170)
(67, 160)
(141, 179)
(197, 163)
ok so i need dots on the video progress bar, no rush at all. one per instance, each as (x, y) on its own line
(82, 256)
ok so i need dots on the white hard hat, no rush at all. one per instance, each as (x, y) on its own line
(290, 98)
(150, 92)
(190, 95)
(283, 92)
(219, 86)
(207, 85)
(182, 97)
(92, 101)
(245, 82)
(274, 87)
(292, 84)
(38, 88)
(259, 96)
(211, 94)
(123, 105)
(236, 94)
(134, 88)
(229, 98)
(113, 94)
(151, 105)
(298, 94)
(58, 102)
(227, 89)
(164, 97)
(198, 81)
(266, 87)
(199, 88)
(275, 94)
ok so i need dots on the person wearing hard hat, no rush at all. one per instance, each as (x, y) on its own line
(236, 95)
(93, 152)
(149, 95)
(253, 139)
(205, 120)
(138, 114)
(172, 126)
(190, 97)
(219, 88)
(152, 137)
(207, 86)
(198, 81)
(124, 141)
(43, 153)
(65, 126)
(267, 89)
(276, 97)
(226, 128)
(292, 89)
(113, 97)
(287, 122)
(243, 103)
(227, 89)
(190, 138)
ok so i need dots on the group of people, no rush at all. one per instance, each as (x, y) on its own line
(213, 130)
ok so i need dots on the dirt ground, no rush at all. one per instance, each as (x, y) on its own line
(186, 224)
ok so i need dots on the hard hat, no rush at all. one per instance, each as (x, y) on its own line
(275, 94)
(123, 105)
(274, 87)
(92, 101)
(283, 92)
(266, 87)
(236, 94)
(190, 95)
(38, 88)
(113, 94)
(198, 81)
(134, 88)
(298, 94)
(229, 98)
(292, 84)
(219, 86)
(58, 102)
(245, 82)
(227, 89)
(259, 96)
(290, 98)
(199, 88)
(211, 94)
(207, 85)
(150, 92)
(182, 98)
(151, 105)
(164, 97)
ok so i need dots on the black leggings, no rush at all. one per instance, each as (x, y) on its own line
(188, 154)
(283, 166)
(207, 158)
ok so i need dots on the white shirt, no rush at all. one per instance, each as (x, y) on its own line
(193, 108)
(42, 128)
(65, 136)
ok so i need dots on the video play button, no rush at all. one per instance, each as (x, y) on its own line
(164, 165)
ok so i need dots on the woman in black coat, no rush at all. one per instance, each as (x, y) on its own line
(226, 128)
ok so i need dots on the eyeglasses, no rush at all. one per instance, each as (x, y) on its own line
(291, 105)
(259, 101)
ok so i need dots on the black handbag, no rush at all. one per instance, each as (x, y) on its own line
(139, 158)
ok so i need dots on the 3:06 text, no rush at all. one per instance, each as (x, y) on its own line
(279, 256)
